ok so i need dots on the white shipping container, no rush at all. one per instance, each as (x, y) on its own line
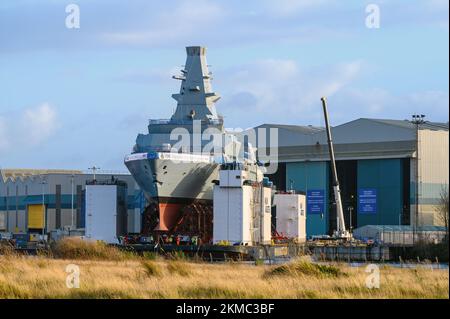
(232, 216)
(101, 213)
(237, 215)
(291, 215)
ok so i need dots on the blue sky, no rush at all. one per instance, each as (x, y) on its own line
(72, 98)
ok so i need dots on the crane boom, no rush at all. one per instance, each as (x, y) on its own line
(340, 229)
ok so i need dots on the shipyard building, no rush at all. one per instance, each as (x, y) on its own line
(391, 172)
(25, 194)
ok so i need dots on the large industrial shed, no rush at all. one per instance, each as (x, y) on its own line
(23, 193)
(377, 169)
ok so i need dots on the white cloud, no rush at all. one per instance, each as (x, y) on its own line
(280, 91)
(285, 8)
(430, 102)
(439, 10)
(438, 5)
(4, 141)
(28, 128)
(380, 103)
(41, 121)
(182, 21)
(215, 23)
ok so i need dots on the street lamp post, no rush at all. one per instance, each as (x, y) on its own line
(71, 220)
(350, 211)
(43, 183)
(417, 120)
(94, 169)
(7, 207)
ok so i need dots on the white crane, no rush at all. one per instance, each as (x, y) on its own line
(340, 231)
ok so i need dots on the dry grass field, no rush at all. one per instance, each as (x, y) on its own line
(108, 273)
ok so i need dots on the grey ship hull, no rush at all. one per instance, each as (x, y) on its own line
(172, 184)
(161, 177)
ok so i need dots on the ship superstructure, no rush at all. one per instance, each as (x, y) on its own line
(173, 163)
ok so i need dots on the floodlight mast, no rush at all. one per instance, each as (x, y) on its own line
(341, 231)
(94, 170)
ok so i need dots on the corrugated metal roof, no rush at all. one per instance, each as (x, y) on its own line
(309, 129)
(405, 124)
(408, 125)
(14, 174)
(24, 173)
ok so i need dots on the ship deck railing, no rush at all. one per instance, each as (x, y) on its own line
(182, 122)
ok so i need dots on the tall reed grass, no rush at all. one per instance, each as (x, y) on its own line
(76, 248)
(106, 272)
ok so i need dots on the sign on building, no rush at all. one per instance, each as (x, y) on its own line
(367, 201)
(315, 201)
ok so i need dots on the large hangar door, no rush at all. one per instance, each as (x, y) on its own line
(347, 175)
(36, 216)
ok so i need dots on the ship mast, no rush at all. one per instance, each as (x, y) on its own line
(195, 101)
